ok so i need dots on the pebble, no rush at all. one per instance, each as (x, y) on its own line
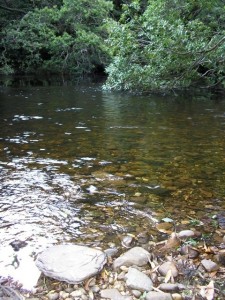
(166, 267)
(189, 251)
(136, 293)
(77, 293)
(209, 265)
(114, 294)
(69, 290)
(177, 296)
(95, 289)
(137, 280)
(63, 294)
(135, 256)
(158, 296)
(121, 275)
(143, 238)
(221, 258)
(127, 241)
(111, 252)
(186, 234)
(171, 287)
(53, 296)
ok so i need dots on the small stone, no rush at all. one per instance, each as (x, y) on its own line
(114, 294)
(111, 252)
(137, 280)
(121, 275)
(209, 265)
(69, 290)
(77, 293)
(95, 289)
(135, 256)
(177, 296)
(158, 296)
(127, 241)
(53, 296)
(136, 293)
(221, 258)
(166, 267)
(171, 287)
(119, 286)
(63, 294)
(189, 251)
(186, 234)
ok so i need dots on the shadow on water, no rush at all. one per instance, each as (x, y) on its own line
(81, 165)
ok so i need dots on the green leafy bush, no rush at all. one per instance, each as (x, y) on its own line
(61, 39)
(167, 45)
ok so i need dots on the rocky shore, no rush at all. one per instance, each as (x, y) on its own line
(182, 266)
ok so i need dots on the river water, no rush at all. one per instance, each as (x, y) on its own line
(81, 165)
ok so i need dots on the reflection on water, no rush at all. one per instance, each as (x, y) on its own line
(84, 166)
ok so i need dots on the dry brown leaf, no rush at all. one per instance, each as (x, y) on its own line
(172, 243)
(213, 274)
(88, 282)
(207, 249)
(104, 275)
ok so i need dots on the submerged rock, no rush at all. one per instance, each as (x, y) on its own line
(71, 263)
(137, 256)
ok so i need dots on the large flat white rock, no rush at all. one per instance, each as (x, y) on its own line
(71, 263)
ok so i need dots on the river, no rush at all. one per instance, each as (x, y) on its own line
(79, 165)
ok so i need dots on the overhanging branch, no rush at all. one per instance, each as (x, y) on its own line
(12, 9)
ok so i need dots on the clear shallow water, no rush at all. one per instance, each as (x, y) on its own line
(81, 165)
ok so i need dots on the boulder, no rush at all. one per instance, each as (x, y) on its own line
(71, 263)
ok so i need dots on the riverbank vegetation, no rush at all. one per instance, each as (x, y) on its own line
(141, 45)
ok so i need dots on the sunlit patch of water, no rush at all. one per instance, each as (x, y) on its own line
(26, 118)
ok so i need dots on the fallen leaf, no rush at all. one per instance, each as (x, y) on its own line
(165, 227)
(168, 276)
(210, 291)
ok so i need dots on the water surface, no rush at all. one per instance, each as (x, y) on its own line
(81, 165)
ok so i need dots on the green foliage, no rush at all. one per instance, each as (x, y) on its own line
(167, 45)
(67, 38)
